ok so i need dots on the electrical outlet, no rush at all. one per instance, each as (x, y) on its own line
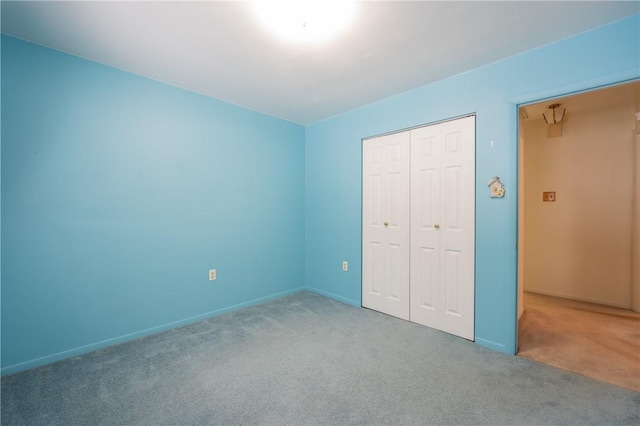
(345, 266)
(212, 274)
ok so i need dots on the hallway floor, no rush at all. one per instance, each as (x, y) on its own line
(596, 341)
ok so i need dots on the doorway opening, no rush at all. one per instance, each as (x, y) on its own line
(578, 233)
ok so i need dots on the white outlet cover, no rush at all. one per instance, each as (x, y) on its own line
(212, 274)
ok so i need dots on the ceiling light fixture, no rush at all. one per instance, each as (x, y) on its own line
(554, 115)
(310, 21)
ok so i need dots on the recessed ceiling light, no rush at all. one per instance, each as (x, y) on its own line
(305, 20)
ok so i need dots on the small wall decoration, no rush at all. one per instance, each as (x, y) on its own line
(496, 187)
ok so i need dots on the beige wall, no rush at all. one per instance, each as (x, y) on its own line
(580, 246)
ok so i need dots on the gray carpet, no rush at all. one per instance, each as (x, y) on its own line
(306, 359)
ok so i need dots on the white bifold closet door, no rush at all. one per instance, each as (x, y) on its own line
(385, 230)
(429, 173)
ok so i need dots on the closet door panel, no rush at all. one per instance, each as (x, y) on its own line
(457, 236)
(442, 220)
(426, 300)
(385, 224)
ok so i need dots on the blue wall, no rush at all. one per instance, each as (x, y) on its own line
(333, 162)
(119, 194)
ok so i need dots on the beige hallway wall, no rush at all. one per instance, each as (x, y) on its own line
(579, 246)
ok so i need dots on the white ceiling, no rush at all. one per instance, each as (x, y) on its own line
(219, 48)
